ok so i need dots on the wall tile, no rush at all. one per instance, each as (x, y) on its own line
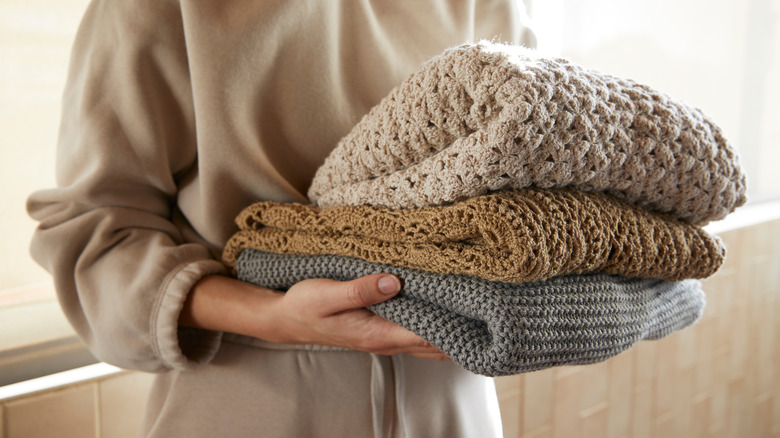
(67, 413)
(725, 296)
(664, 426)
(594, 421)
(703, 368)
(683, 387)
(766, 372)
(763, 417)
(735, 248)
(687, 341)
(642, 411)
(701, 417)
(538, 400)
(568, 394)
(620, 387)
(510, 417)
(510, 390)
(774, 235)
(595, 385)
(739, 347)
(122, 399)
(665, 368)
(776, 326)
(703, 377)
(738, 410)
(542, 432)
(719, 406)
(644, 362)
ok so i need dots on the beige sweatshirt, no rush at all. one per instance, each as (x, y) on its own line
(178, 115)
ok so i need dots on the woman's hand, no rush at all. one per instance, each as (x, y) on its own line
(315, 311)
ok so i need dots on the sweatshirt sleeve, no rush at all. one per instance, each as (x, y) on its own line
(110, 233)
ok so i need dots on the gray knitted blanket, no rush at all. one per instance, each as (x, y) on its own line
(495, 328)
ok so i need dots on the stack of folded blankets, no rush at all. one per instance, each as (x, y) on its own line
(538, 213)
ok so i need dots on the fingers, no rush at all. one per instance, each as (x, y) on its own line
(433, 356)
(362, 292)
(381, 336)
(423, 352)
(427, 352)
(329, 312)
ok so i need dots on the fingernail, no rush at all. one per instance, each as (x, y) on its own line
(389, 285)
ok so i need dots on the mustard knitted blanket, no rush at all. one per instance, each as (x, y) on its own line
(484, 117)
(509, 236)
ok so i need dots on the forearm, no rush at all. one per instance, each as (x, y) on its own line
(314, 311)
(225, 304)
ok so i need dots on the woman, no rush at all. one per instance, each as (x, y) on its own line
(179, 114)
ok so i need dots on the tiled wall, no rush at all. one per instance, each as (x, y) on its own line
(719, 378)
(108, 407)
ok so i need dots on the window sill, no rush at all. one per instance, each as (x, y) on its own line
(746, 216)
(57, 381)
(36, 338)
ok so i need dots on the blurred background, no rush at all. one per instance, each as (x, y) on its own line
(722, 56)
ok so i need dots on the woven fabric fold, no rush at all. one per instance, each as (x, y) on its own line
(484, 117)
(510, 236)
(495, 328)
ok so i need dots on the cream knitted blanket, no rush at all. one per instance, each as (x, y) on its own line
(509, 236)
(485, 116)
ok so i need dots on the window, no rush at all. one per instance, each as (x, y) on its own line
(35, 40)
(721, 56)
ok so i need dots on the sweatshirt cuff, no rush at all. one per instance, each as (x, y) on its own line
(177, 347)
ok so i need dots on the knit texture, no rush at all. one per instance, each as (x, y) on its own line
(485, 116)
(495, 328)
(511, 236)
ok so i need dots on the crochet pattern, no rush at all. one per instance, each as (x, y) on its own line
(485, 117)
(511, 236)
(495, 328)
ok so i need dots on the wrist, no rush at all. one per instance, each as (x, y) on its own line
(226, 304)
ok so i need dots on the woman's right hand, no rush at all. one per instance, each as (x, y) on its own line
(315, 311)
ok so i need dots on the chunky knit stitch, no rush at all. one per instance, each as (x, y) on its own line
(513, 236)
(485, 116)
(495, 328)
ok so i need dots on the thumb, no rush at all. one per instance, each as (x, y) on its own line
(361, 292)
